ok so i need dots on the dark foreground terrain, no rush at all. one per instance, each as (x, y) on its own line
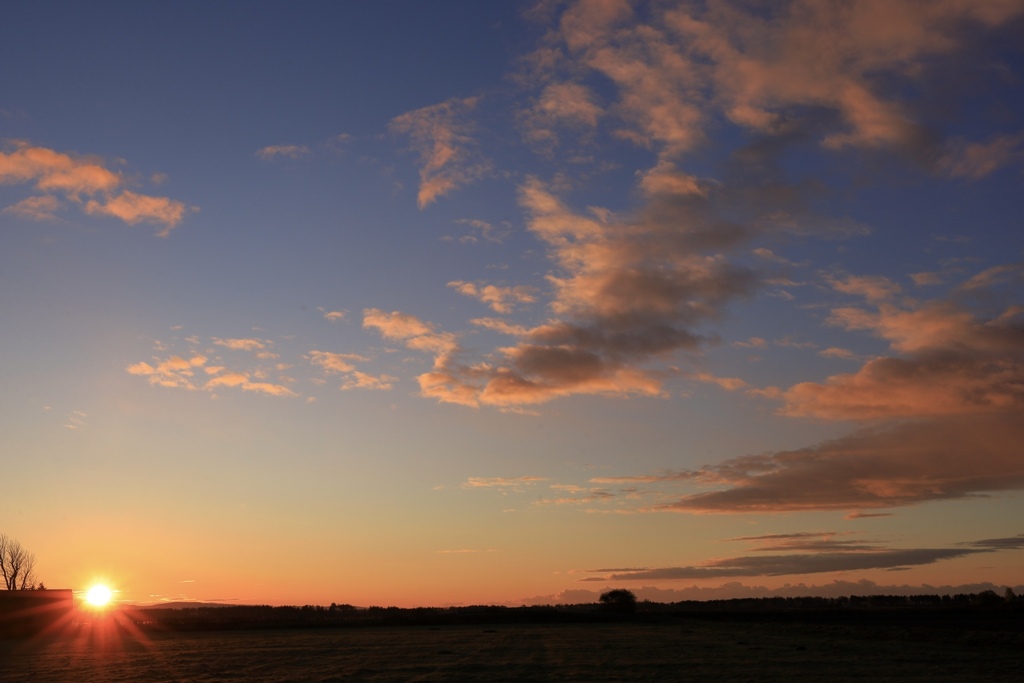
(736, 648)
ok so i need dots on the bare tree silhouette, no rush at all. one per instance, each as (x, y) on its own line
(17, 565)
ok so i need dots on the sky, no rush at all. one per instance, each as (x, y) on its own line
(408, 303)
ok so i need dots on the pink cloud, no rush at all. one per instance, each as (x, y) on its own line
(289, 151)
(500, 299)
(950, 363)
(441, 135)
(54, 172)
(894, 466)
(976, 160)
(40, 208)
(133, 208)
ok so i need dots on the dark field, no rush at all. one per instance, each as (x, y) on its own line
(665, 650)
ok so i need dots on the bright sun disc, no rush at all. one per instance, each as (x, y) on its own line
(99, 595)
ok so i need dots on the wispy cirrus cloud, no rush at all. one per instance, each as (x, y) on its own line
(975, 160)
(39, 208)
(826, 555)
(442, 135)
(499, 299)
(514, 484)
(241, 344)
(84, 182)
(787, 565)
(342, 364)
(287, 151)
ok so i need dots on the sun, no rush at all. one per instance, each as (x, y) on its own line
(99, 595)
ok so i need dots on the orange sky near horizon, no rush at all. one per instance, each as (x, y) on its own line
(403, 304)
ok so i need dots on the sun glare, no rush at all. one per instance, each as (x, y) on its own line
(99, 595)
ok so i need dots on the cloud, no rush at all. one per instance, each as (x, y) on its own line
(55, 172)
(76, 420)
(514, 483)
(487, 231)
(567, 104)
(500, 299)
(817, 67)
(341, 364)
(334, 316)
(975, 160)
(786, 565)
(925, 279)
(74, 177)
(241, 344)
(465, 551)
(441, 133)
(731, 590)
(820, 552)
(1010, 543)
(499, 325)
(883, 467)
(175, 372)
(39, 208)
(133, 208)
(449, 381)
(625, 292)
(727, 383)
(244, 381)
(289, 151)
(181, 373)
(872, 288)
(836, 352)
(337, 363)
(576, 495)
(951, 362)
(994, 276)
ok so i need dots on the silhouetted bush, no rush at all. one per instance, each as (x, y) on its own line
(619, 601)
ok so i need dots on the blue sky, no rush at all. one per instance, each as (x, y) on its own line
(487, 302)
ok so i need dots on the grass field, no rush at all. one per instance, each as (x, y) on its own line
(677, 650)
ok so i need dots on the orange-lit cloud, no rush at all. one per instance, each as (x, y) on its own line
(341, 364)
(244, 381)
(441, 133)
(727, 383)
(289, 151)
(516, 484)
(500, 299)
(133, 208)
(825, 555)
(55, 172)
(822, 66)
(627, 291)
(173, 372)
(241, 344)
(39, 208)
(949, 362)
(976, 160)
(886, 467)
(184, 373)
(786, 565)
(560, 104)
